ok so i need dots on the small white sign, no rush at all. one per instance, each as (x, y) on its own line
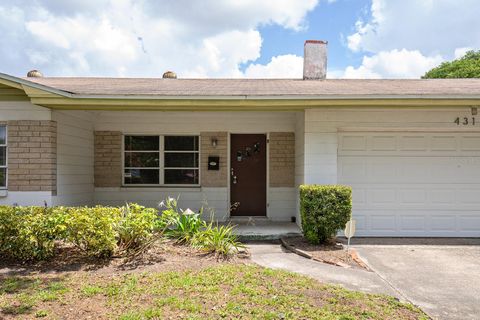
(349, 232)
(350, 229)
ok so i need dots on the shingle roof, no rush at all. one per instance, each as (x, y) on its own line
(262, 87)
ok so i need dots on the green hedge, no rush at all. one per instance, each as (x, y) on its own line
(325, 209)
(29, 233)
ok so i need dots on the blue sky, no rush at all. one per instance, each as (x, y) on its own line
(328, 21)
(233, 38)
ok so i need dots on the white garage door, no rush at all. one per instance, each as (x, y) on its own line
(412, 184)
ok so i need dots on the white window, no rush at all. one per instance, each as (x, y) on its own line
(3, 157)
(161, 160)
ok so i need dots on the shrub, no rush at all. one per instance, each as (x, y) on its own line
(178, 224)
(217, 239)
(136, 226)
(29, 233)
(93, 230)
(185, 226)
(169, 215)
(325, 209)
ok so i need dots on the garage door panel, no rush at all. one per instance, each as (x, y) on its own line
(412, 196)
(417, 223)
(441, 196)
(469, 223)
(443, 223)
(383, 143)
(416, 196)
(413, 223)
(353, 142)
(470, 143)
(412, 184)
(383, 222)
(405, 144)
(443, 143)
(382, 196)
(410, 170)
(414, 143)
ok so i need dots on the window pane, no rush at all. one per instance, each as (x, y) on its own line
(3, 177)
(181, 143)
(3, 156)
(142, 159)
(142, 176)
(145, 143)
(3, 134)
(181, 160)
(181, 176)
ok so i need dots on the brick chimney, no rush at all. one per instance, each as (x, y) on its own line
(315, 60)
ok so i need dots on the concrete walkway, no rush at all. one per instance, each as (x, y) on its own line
(274, 256)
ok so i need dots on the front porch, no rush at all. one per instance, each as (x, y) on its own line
(252, 228)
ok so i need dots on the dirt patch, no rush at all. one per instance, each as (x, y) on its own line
(332, 253)
(165, 255)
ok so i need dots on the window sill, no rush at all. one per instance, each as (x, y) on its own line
(161, 188)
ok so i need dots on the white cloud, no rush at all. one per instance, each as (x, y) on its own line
(393, 64)
(460, 52)
(284, 66)
(433, 27)
(406, 38)
(139, 37)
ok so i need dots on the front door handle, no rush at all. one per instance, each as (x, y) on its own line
(234, 180)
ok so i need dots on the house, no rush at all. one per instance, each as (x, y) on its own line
(409, 148)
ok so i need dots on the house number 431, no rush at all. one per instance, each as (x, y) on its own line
(465, 121)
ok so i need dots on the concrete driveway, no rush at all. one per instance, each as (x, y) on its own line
(442, 276)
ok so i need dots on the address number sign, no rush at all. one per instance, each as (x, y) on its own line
(465, 121)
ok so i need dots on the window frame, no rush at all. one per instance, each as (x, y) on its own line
(5, 145)
(161, 168)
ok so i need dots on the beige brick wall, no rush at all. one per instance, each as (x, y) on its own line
(212, 178)
(32, 155)
(108, 157)
(282, 159)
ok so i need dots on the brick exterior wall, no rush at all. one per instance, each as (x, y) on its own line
(108, 158)
(212, 178)
(32, 155)
(282, 159)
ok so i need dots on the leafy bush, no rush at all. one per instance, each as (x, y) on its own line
(325, 209)
(93, 230)
(217, 239)
(186, 225)
(169, 215)
(180, 225)
(136, 226)
(29, 233)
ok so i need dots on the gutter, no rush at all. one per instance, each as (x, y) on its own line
(36, 85)
(277, 97)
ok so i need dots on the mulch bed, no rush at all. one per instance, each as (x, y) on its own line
(332, 253)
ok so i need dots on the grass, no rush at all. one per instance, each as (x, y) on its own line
(221, 292)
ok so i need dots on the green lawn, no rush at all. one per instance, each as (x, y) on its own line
(230, 291)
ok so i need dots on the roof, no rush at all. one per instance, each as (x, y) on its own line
(261, 87)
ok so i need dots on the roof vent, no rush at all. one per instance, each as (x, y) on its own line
(34, 74)
(169, 75)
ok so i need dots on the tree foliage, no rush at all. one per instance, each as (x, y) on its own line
(466, 67)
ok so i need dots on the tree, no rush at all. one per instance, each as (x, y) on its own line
(466, 67)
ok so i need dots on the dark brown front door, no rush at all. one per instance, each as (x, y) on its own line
(248, 174)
